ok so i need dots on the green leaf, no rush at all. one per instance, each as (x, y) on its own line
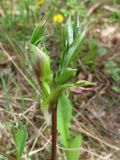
(90, 59)
(75, 48)
(116, 88)
(77, 27)
(38, 34)
(3, 158)
(62, 60)
(20, 138)
(75, 144)
(41, 64)
(67, 34)
(69, 31)
(101, 51)
(67, 40)
(65, 75)
(93, 51)
(72, 37)
(64, 115)
(113, 70)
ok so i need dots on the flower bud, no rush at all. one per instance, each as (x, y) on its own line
(41, 65)
(83, 83)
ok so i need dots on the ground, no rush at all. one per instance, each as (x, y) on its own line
(96, 114)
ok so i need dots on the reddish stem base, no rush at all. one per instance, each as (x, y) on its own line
(54, 132)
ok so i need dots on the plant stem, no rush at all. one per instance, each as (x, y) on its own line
(54, 132)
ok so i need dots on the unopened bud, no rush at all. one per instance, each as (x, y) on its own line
(41, 65)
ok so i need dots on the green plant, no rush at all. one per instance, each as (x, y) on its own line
(94, 50)
(3, 158)
(6, 19)
(20, 138)
(69, 7)
(55, 87)
(73, 8)
(24, 10)
(113, 70)
(114, 16)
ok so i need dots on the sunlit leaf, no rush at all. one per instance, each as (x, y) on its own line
(74, 145)
(116, 88)
(20, 138)
(41, 64)
(64, 115)
(75, 48)
(73, 36)
(69, 31)
(77, 27)
(38, 34)
(67, 40)
(65, 75)
(113, 70)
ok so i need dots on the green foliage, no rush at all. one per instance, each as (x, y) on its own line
(74, 145)
(40, 60)
(69, 7)
(20, 138)
(24, 10)
(9, 18)
(74, 50)
(6, 20)
(64, 75)
(72, 7)
(64, 117)
(55, 87)
(38, 34)
(72, 40)
(42, 64)
(3, 158)
(68, 29)
(113, 70)
(115, 16)
(94, 50)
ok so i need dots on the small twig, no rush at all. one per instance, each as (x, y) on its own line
(82, 130)
(54, 132)
(93, 9)
(40, 149)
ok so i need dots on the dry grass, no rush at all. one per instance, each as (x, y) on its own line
(96, 115)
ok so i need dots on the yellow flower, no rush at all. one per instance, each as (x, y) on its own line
(58, 18)
(40, 2)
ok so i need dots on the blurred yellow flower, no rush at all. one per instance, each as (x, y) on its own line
(40, 2)
(58, 18)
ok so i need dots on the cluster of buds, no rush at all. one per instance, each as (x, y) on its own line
(83, 86)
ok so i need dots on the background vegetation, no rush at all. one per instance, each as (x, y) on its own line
(96, 113)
